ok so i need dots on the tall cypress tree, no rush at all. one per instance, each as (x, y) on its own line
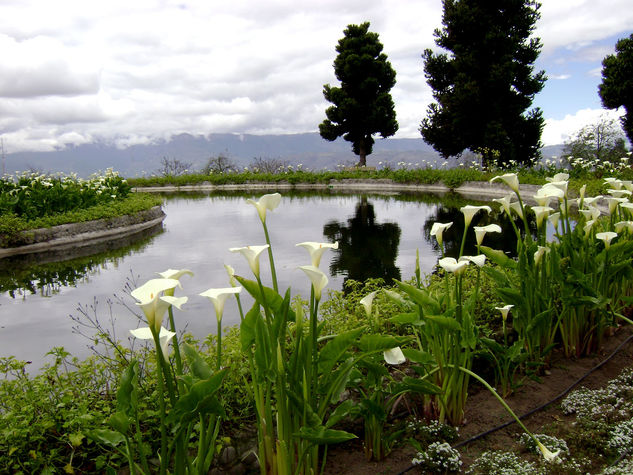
(485, 84)
(362, 105)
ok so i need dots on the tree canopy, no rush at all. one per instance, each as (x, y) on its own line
(616, 89)
(362, 105)
(485, 83)
(602, 141)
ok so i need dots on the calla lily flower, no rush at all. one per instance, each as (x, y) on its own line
(505, 203)
(317, 277)
(561, 185)
(251, 253)
(553, 218)
(218, 298)
(551, 190)
(592, 201)
(438, 229)
(541, 213)
(510, 179)
(538, 255)
(504, 311)
(516, 207)
(614, 182)
(628, 225)
(316, 250)
(588, 227)
(480, 231)
(591, 213)
(394, 356)
(231, 272)
(619, 193)
(449, 264)
(164, 335)
(614, 202)
(470, 211)
(628, 184)
(607, 237)
(367, 302)
(174, 274)
(547, 454)
(558, 177)
(479, 260)
(266, 202)
(149, 299)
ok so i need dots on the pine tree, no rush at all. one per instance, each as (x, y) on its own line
(362, 105)
(616, 89)
(485, 85)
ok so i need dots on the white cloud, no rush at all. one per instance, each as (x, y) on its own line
(558, 77)
(559, 131)
(132, 72)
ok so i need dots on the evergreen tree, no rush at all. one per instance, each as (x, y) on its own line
(362, 105)
(485, 85)
(616, 89)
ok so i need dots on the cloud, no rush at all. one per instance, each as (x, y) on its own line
(559, 131)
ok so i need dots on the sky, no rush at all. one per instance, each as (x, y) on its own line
(133, 72)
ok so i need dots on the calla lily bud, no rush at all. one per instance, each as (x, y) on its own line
(266, 202)
(251, 253)
(504, 311)
(547, 454)
(437, 230)
(480, 231)
(510, 179)
(317, 277)
(449, 264)
(538, 255)
(588, 227)
(607, 237)
(218, 298)
(367, 302)
(470, 211)
(231, 272)
(394, 356)
(164, 336)
(316, 250)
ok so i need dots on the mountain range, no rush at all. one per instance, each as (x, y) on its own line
(308, 149)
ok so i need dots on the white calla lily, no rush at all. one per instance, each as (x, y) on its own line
(510, 179)
(622, 225)
(516, 207)
(469, 211)
(504, 202)
(480, 231)
(231, 273)
(367, 302)
(550, 190)
(614, 182)
(479, 260)
(541, 213)
(588, 227)
(164, 336)
(619, 193)
(175, 273)
(218, 298)
(266, 202)
(614, 202)
(558, 177)
(592, 201)
(437, 231)
(251, 253)
(449, 264)
(317, 277)
(394, 356)
(504, 311)
(554, 218)
(547, 454)
(607, 237)
(538, 255)
(150, 299)
(316, 250)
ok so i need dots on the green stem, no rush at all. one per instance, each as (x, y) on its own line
(270, 257)
(161, 404)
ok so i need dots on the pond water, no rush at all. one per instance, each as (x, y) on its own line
(378, 236)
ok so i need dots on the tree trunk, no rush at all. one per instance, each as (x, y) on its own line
(362, 161)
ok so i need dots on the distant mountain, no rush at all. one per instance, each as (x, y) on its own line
(308, 149)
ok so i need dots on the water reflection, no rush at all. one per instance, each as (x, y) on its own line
(366, 248)
(47, 273)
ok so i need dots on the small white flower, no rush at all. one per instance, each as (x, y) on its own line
(394, 356)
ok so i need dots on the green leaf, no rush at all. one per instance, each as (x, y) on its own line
(248, 326)
(336, 349)
(380, 342)
(343, 410)
(322, 436)
(417, 385)
(498, 257)
(199, 367)
(447, 323)
(119, 421)
(126, 396)
(405, 318)
(417, 356)
(107, 437)
(199, 400)
(420, 297)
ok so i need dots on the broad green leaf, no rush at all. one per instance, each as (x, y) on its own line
(417, 385)
(126, 396)
(199, 367)
(343, 410)
(420, 297)
(448, 323)
(108, 437)
(336, 349)
(248, 326)
(380, 342)
(498, 257)
(199, 400)
(405, 318)
(119, 421)
(417, 356)
(322, 435)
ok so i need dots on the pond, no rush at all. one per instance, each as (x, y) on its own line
(378, 236)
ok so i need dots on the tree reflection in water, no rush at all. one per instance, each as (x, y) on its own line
(366, 248)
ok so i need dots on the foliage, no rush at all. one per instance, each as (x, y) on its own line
(616, 89)
(220, 164)
(362, 105)
(483, 88)
(597, 144)
(271, 166)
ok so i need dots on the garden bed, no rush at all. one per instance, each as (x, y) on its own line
(84, 233)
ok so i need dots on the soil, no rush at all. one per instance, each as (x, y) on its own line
(483, 411)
